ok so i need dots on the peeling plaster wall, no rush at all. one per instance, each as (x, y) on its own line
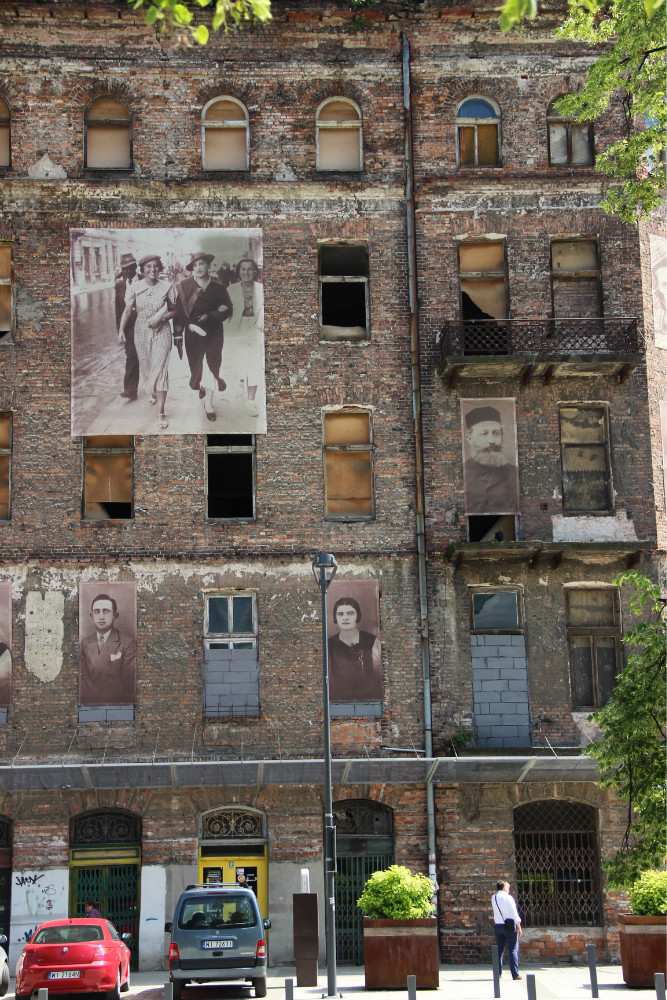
(44, 633)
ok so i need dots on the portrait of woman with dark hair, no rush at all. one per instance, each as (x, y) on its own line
(355, 657)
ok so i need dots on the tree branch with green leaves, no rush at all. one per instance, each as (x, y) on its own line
(178, 16)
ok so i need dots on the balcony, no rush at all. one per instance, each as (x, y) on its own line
(540, 348)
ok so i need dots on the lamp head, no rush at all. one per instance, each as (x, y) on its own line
(324, 568)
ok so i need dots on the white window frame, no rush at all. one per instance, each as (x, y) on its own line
(102, 123)
(235, 123)
(474, 122)
(342, 126)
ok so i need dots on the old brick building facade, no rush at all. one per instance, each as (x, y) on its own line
(434, 262)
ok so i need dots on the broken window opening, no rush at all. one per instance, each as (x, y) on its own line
(225, 135)
(594, 644)
(575, 279)
(478, 133)
(491, 528)
(586, 470)
(5, 129)
(348, 465)
(5, 464)
(107, 135)
(338, 135)
(344, 313)
(570, 142)
(495, 610)
(6, 291)
(108, 490)
(230, 476)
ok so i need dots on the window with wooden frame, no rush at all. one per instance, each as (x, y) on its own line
(348, 464)
(339, 135)
(344, 312)
(5, 464)
(108, 490)
(107, 135)
(570, 141)
(6, 292)
(5, 135)
(585, 461)
(478, 133)
(225, 136)
(483, 280)
(231, 664)
(593, 637)
(230, 476)
(576, 286)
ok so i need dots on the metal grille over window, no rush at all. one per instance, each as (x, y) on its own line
(478, 133)
(5, 146)
(225, 135)
(557, 864)
(232, 824)
(108, 135)
(594, 635)
(339, 135)
(105, 828)
(348, 465)
(570, 142)
(231, 664)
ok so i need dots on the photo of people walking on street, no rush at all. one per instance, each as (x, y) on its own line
(167, 331)
(5, 644)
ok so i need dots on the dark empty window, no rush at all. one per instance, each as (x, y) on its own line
(593, 633)
(478, 133)
(570, 142)
(584, 443)
(344, 291)
(557, 864)
(230, 476)
(108, 491)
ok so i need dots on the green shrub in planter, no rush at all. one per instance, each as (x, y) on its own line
(397, 894)
(648, 895)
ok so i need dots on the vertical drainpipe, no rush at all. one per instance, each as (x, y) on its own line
(418, 442)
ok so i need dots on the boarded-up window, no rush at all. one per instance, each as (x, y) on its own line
(231, 665)
(575, 278)
(483, 281)
(339, 136)
(343, 291)
(108, 140)
(225, 139)
(230, 476)
(585, 462)
(6, 290)
(348, 464)
(593, 641)
(478, 133)
(108, 478)
(5, 146)
(570, 142)
(5, 463)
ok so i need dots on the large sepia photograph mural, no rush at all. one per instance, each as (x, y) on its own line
(167, 331)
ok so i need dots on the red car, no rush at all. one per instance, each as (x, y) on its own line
(74, 956)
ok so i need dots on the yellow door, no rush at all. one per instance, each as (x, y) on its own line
(249, 870)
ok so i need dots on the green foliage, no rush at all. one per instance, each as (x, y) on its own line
(177, 16)
(397, 894)
(461, 737)
(631, 755)
(648, 895)
(633, 70)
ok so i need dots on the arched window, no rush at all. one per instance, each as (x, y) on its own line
(570, 141)
(478, 133)
(339, 135)
(225, 135)
(557, 864)
(5, 145)
(108, 144)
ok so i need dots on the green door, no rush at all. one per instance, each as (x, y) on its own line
(114, 887)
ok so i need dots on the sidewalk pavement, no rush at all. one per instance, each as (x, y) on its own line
(457, 982)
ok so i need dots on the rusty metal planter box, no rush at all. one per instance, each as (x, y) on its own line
(396, 949)
(642, 941)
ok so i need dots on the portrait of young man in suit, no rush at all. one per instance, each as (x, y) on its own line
(108, 657)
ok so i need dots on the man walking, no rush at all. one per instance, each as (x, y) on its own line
(507, 927)
(128, 272)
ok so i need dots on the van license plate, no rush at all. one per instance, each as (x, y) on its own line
(64, 975)
(220, 943)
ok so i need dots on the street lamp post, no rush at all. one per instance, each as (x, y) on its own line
(324, 570)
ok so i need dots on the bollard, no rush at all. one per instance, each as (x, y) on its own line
(412, 988)
(530, 987)
(659, 980)
(495, 965)
(590, 948)
(289, 989)
(42, 994)
(168, 991)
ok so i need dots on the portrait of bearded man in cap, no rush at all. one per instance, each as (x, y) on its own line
(490, 473)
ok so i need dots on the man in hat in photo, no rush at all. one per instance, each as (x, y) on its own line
(491, 481)
(128, 273)
(202, 306)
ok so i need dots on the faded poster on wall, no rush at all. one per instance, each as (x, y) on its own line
(663, 432)
(107, 643)
(167, 331)
(5, 644)
(355, 655)
(658, 245)
(490, 465)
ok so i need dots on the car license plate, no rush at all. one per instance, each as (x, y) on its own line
(64, 975)
(220, 943)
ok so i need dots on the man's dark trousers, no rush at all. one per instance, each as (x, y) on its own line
(510, 940)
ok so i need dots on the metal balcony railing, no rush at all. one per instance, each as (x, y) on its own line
(545, 337)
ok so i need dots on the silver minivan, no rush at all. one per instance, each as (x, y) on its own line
(217, 934)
